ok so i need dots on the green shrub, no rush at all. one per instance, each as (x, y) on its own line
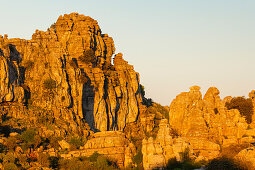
(53, 141)
(28, 136)
(138, 158)
(102, 162)
(76, 163)
(142, 90)
(37, 141)
(223, 164)
(244, 106)
(173, 164)
(49, 84)
(93, 157)
(10, 166)
(43, 159)
(146, 101)
(9, 158)
(77, 141)
(11, 143)
(88, 57)
(53, 161)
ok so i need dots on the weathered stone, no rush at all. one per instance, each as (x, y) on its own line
(105, 96)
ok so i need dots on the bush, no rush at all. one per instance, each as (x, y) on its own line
(11, 143)
(53, 141)
(10, 166)
(93, 157)
(77, 142)
(37, 141)
(28, 136)
(146, 101)
(102, 162)
(75, 163)
(43, 159)
(244, 106)
(173, 164)
(138, 158)
(49, 84)
(88, 57)
(223, 164)
(9, 158)
(53, 162)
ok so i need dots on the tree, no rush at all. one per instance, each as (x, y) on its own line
(244, 106)
(88, 57)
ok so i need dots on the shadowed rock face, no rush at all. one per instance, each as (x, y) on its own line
(47, 72)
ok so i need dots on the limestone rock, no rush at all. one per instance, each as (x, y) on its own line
(247, 156)
(112, 144)
(157, 152)
(63, 144)
(50, 72)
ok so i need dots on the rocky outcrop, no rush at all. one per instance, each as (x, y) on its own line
(247, 157)
(157, 152)
(49, 71)
(206, 123)
(112, 144)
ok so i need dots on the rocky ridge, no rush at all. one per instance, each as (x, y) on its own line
(106, 96)
(63, 84)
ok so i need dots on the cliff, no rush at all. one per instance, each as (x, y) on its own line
(67, 101)
(67, 70)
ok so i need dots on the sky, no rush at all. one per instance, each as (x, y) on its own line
(173, 44)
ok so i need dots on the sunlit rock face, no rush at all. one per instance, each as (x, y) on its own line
(205, 122)
(48, 72)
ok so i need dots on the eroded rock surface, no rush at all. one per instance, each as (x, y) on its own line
(48, 72)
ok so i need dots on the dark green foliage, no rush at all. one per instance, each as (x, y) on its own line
(43, 159)
(244, 106)
(49, 84)
(11, 143)
(77, 141)
(93, 157)
(142, 90)
(155, 107)
(53, 162)
(88, 57)
(146, 101)
(9, 158)
(53, 141)
(173, 164)
(28, 136)
(53, 25)
(75, 163)
(102, 162)
(223, 164)
(10, 166)
(138, 158)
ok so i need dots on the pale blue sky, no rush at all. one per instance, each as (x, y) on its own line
(173, 44)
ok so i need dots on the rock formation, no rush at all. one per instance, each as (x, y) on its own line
(206, 123)
(64, 83)
(157, 152)
(54, 71)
